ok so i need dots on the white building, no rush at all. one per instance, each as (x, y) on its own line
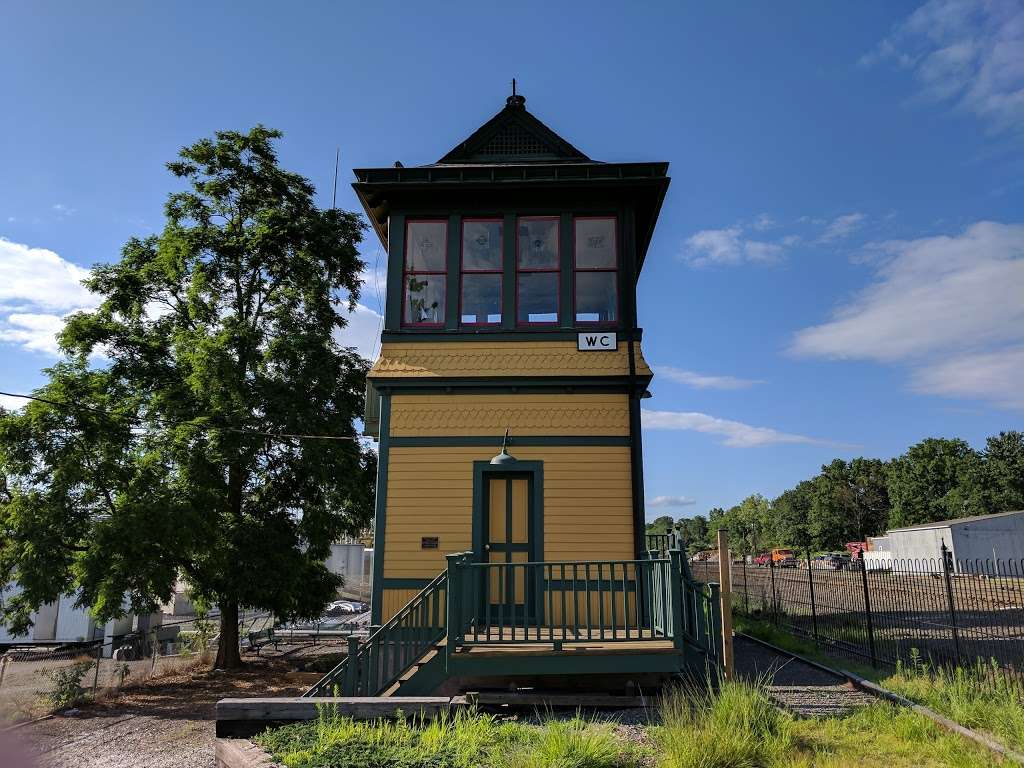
(992, 543)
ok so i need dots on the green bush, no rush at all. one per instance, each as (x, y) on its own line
(67, 683)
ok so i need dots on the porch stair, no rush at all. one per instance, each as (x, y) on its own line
(586, 618)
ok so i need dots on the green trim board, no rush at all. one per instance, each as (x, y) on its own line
(513, 384)
(565, 663)
(505, 334)
(380, 512)
(472, 441)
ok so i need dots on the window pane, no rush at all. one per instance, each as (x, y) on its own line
(481, 298)
(481, 245)
(538, 243)
(538, 297)
(424, 299)
(425, 246)
(596, 300)
(595, 243)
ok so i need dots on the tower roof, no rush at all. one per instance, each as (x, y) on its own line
(514, 136)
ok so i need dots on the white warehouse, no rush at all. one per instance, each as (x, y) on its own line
(997, 539)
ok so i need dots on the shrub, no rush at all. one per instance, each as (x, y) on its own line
(67, 683)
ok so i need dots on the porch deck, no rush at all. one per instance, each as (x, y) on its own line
(479, 620)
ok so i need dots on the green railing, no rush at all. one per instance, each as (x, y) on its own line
(373, 666)
(660, 542)
(580, 601)
(555, 603)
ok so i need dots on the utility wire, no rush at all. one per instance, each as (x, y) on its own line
(168, 423)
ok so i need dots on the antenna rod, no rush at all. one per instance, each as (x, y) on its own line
(334, 196)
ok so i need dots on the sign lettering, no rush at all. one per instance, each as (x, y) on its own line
(597, 341)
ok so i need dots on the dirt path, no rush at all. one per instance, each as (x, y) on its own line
(799, 687)
(166, 723)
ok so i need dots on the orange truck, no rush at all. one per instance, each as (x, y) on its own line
(784, 557)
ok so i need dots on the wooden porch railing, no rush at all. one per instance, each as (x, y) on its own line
(580, 601)
(373, 666)
(564, 602)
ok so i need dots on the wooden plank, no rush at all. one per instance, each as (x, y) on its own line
(285, 709)
(598, 700)
(725, 582)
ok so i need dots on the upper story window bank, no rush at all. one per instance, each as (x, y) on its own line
(515, 233)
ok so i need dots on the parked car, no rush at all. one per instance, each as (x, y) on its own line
(787, 562)
(827, 562)
(763, 559)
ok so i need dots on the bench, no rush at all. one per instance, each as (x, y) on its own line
(261, 638)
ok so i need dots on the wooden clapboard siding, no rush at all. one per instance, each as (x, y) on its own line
(587, 504)
(395, 600)
(523, 414)
(501, 358)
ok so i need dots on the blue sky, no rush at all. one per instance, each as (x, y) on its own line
(839, 265)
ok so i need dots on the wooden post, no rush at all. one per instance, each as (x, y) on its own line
(725, 579)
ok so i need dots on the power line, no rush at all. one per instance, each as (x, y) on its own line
(169, 423)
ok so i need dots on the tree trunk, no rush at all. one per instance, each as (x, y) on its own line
(228, 655)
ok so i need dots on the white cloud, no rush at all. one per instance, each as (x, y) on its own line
(736, 434)
(763, 222)
(37, 290)
(704, 381)
(728, 247)
(39, 278)
(64, 210)
(968, 52)
(362, 331)
(951, 307)
(34, 332)
(12, 403)
(842, 226)
(992, 376)
(671, 501)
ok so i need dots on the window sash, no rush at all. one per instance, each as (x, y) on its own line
(425, 271)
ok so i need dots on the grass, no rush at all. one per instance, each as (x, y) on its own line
(734, 727)
(978, 697)
(463, 740)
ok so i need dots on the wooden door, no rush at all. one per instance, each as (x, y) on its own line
(507, 541)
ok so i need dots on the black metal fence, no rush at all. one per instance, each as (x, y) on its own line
(949, 612)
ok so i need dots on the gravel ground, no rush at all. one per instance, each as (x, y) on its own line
(799, 687)
(166, 723)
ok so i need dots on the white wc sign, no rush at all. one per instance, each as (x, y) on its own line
(597, 342)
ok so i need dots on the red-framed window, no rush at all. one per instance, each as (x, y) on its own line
(595, 270)
(537, 270)
(424, 273)
(481, 263)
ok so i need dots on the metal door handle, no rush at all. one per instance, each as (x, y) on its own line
(487, 547)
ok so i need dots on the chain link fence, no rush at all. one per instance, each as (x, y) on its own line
(34, 680)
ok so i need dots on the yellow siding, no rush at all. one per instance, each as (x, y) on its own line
(588, 510)
(501, 358)
(395, 600)
(524, 414)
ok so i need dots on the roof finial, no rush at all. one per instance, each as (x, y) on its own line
(515, 100)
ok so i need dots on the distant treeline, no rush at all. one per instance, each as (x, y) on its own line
(937, 479)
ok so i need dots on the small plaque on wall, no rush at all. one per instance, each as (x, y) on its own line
(429, 542)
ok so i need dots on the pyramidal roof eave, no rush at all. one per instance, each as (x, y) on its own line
(513, 137)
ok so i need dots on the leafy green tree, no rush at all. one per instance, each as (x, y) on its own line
(849, 501)
(791, 515)
(936, 479)
(748, 523)
(177, 455)
(695, 533)
(1003, 472)
(662, 524)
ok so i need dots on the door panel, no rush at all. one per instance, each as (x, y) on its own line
(507, 541)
